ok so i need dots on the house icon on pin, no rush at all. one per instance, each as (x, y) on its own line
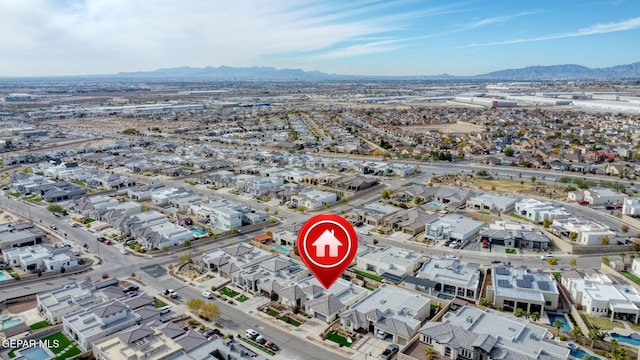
(327, 239)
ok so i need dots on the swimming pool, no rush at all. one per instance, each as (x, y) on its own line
(10, 323)
(4, 276)
(282, 249)
(35, 353)
(434, 205)
(197, 232)
(554, 317)
(578, 353)
(634, 339)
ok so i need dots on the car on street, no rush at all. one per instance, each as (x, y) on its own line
(171, 293)
(546, 257)
(252, 334)
(496, 261)
(452, 257)
(131, 288)
(124, 252)
(53, 226)
(207, 294)
(272, 346)
(261, 340)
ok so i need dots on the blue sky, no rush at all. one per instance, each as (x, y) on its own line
(401, 37)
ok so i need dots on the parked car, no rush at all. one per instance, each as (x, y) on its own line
(165, 310)
(131, 288)
(452, 257)
(381, 334)
(496, 261)
(207, 294)
(107, 242)
(171, 293)
(272, 346)
(261, 340)
(389, 352)
(209, 333)
(252, 334)
(53, 226)
(124, 252)
(583, 202)
(546, 257)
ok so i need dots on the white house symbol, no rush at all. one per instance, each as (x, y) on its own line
(327, 239)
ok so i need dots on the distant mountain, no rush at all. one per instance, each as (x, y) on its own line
(565, 72)
(230, 73)
(530, 73)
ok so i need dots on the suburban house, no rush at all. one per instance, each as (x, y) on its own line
(269, 275)
(453, 227)
(391, 263)
(138, 342)
(371, 214)
(471, 333)
(603, 295)
(86, 205)
(409, 221)
(142, 193)
(395, 311)
(519, 288)
(491, 202)
(19, 234)
(38, 258)
(597, 196)
(98, 321)
(447, 278)
(538, 211)
(323, 304)
(631, 207)
(230, 259)
(513, 235)
(314, 199)
(588, 232)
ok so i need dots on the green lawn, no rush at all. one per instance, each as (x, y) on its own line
(157, 303)
(291, 321)
(336, 338)
(367, 275)
(242, 298)
(631, 276)
(519, 217)
(63, 342)
(602, 322)
(272, 312)
(230, 293)
(510, 251)
(255, 344)
(39, 325)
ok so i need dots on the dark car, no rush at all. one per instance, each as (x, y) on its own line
(131, 288)
(272, 346)
(209, 333)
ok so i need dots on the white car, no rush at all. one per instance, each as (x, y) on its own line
(546, 257)
(207, 294)
(124, 252)
(452, 257)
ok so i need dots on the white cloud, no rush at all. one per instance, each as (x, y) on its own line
(625, 25)
(493, 20)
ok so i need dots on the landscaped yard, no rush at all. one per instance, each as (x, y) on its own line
(337, 338)
(157, 303)
(242, 298)
(255, 344)
(367, 275)
(519, 217)
(230, 293)
(291, 321)
(602, 322)
(63, 342)
(39, 325)
(510, 251)
(272, 312)
(631, 276)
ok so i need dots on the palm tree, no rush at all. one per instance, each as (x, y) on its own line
(557, 324)
(518, 312)
(619, 353)
(576, 331)
(535, 316)
(595, 334)
(428, 352)
(622, 256)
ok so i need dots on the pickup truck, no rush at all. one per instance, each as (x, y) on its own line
(389, 352)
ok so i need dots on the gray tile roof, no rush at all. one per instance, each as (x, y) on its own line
(130, 337)
(109, 309)
(326, 305)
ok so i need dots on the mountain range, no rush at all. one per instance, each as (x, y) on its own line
(530, 73)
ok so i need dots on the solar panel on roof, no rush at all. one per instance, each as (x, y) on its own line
(502, 271)
(504, 283)
(523, 283)
(528, 278)
(543, 285)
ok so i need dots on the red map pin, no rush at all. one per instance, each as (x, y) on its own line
(327, 244)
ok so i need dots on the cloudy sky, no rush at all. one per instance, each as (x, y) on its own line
(368, 37)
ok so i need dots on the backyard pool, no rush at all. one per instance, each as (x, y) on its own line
(197, 232)
(633, 339)
(4, 276)
(35, 353)
(282, 249)
(434, 205)
(11, 322)
(565, 324)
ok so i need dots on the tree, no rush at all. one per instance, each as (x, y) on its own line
(576, 331)
(384, 194)
(625, 228)
(266, 209)
(508, 151)
(573, 236)
(210, 311)
(604, 240)
(546, 223)
(518, 312)
(622, 257)
(535, 316)
(533, 179)
(170, 267)
(234, 231)
(417, 200)
(187, 243)
(105, 276)
(619, 353)
(552, 261)
(133, 275)
(573, 262)
(186, 258)
(275, 212)
(53, 208)
(557, 324)
(595, 334)
(605, 260)
(428, 352)
(195, 304)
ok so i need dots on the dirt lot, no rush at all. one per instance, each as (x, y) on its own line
(457, 128)
(116, 124)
